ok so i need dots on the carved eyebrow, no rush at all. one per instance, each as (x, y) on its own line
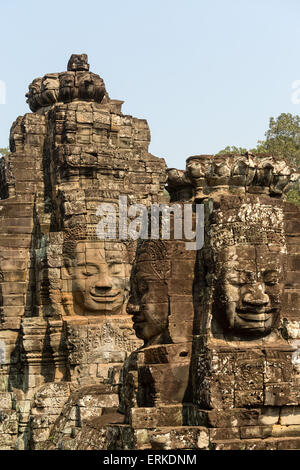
(114, 261)
(87, 264)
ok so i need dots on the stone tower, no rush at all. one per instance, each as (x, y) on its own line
(63, 323)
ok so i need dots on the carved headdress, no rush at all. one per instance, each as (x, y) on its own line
(252, 223)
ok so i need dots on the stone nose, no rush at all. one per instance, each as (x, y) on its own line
(256, 296)
(104, 282)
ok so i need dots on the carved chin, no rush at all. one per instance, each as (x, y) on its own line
(150, 335)
(139, 330)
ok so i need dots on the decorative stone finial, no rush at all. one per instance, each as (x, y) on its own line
(78, 63)
(77, 84)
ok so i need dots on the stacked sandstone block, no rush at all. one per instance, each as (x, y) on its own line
(75, 150)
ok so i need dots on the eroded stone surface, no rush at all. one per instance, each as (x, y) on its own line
(121, 344)
(63, 318)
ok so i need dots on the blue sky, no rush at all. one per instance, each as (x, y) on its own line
(204, 73)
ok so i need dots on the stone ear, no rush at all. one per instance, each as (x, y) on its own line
(66, 272)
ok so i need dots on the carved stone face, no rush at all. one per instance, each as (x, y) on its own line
(50, 88)
(34, 87)
(148, 303)
(197, 167)
(100, 279)
(219, 171)
(91, 86)
(50, 82)
(249, 288)
(34, 94)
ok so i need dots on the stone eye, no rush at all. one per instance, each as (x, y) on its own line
(115, 268)
(87, 273)
(88, 270)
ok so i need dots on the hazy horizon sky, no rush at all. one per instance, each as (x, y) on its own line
(204, 73)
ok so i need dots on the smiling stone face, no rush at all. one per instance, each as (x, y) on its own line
(198, 166)
(100, 279)
(245, 256)
(249, 288)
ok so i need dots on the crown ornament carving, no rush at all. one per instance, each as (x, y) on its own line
(206, 175)
(253, 223)
(77, 84)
